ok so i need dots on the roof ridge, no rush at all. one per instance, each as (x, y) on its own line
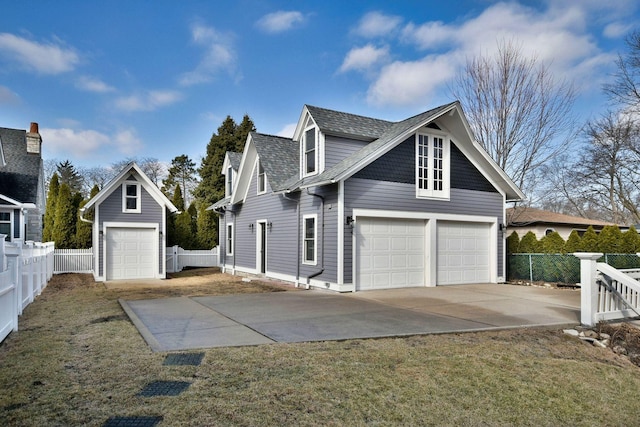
(350, 114)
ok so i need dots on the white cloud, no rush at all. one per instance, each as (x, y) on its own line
(377, 24)
(219, 55)
(85, 144)
(617, 29)
(43, 58)
(363, 58)
(288, 130)
(91, 84)
(278, 22)
(149, 101)
(8, 97)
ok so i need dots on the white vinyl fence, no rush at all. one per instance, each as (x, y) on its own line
(73, 261)
(178, 258)
(25, 269)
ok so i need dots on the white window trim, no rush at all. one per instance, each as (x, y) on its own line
(230, 243)
(315, 239)
(303, 151)
(228, 181)
(258, 167)
(138, 208)
(10, 236)
(443, 194)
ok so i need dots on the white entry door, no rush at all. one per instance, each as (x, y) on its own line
(463, 253)
(132, 253)
(389, 253)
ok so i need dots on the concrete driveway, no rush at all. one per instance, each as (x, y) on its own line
(183, 323)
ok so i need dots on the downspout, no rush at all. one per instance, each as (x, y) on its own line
(297, 202)
(317, 273)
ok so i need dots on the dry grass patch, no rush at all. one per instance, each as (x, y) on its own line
(78, 361)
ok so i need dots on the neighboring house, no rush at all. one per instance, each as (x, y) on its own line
(22, 197)
(129, 227)
(353, 203)
(524, 219)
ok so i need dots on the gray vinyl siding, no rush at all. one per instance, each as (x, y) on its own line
(337, 149)
(384, 195)
(110, 210)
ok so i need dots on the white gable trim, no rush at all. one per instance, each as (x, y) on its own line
(245, 172)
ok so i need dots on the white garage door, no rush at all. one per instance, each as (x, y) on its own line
(132, 253)
(463, 253)
(390, 253)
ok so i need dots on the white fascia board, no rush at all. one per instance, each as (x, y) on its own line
(247, 164)
(301, 124)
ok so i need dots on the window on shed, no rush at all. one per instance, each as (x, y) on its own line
(131, 197)
(309, 249)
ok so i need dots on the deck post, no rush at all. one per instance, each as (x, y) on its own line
(588, 287)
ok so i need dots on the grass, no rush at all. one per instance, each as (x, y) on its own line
(77, 360)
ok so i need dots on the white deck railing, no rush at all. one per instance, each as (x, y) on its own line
(178, 258)
(607, 293)
(25, 269)
(73, 261)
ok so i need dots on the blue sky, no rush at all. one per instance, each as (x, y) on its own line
(107, 80)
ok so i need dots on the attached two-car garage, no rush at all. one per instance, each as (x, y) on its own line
(395, 252)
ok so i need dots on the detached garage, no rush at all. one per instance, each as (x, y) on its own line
(412, 252)
(129, 227)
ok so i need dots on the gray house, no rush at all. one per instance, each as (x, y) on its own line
(354, 203)
(129, 227)
(22, 197)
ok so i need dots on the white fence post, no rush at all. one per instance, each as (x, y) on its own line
(589, 288)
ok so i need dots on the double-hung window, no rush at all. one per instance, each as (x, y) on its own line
(131, 197)
(262, 179)
(5, 225)
(309, 240)
(432, 166)
(230, 239)
(310, 152)
(229, 181)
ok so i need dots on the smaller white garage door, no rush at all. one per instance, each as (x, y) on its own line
(463, 253)
(390, 253)
(132, 253)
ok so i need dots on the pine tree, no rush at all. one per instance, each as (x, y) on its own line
(182, 173)
(552, 243)
(65, 219)
(50, 209)
(630, 241)
(529, 244)
(207, 221)
(70, 176)
(184, 237)
(610, 240)
(573, 243)
(513, 243)
(589, 241)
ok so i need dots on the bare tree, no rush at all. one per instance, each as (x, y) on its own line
(152, 167)
(518, 112)
(625, 89)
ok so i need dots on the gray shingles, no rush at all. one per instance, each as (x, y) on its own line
(346, 124)
(19, 178)
(235, 159)
(279, 157)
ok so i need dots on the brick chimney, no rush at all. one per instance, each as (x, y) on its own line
(34, 140)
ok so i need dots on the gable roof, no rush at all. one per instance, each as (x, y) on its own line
(279, 157)
(234, 159)
(151, 188)
(342, 124)
(20, 175)
(524, 215)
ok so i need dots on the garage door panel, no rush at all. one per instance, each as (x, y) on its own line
(131, 253)
(463, 253)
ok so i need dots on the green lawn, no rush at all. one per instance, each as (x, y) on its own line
(77, 360)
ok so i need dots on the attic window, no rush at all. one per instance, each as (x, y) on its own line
(262, 179)
(229, 181)
(131, 197)
(309, 152)
(432, 166)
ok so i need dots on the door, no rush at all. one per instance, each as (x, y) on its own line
(132, 253)
(389, 253)
(463, 253)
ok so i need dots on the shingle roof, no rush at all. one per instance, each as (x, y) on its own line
(339, 123)
(279, 157)
(524, 215)
(19, 178)
(235, 159)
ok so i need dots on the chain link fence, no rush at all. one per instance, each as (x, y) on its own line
(559, 268)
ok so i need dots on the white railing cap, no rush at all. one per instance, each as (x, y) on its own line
(588, 255)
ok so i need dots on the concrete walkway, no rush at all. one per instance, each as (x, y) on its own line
(250, 319)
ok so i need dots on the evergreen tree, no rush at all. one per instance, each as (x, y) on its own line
(610, 240)
(513, 243)
(181, 173)
(573, 243)
(193, 214)
(50, 208)
(630, 241)
(70, 176)
(552, 243)
(589, 241)
(84, 237)
(230, 137)
(529, 244)
(177, 200)
(65, 219)
(184, 238)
